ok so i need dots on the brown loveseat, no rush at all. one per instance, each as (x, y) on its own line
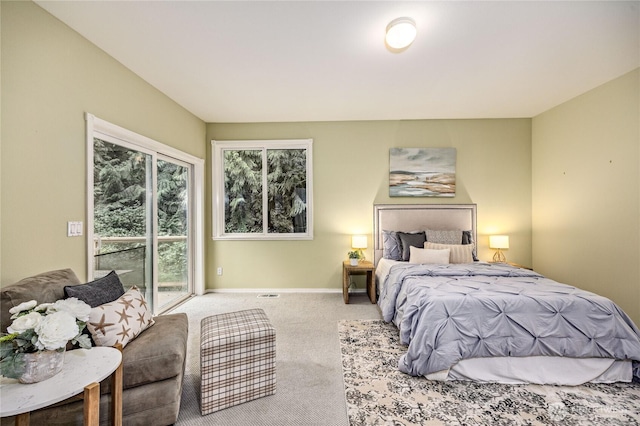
(153, 363)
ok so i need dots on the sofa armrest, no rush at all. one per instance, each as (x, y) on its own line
(43, 288)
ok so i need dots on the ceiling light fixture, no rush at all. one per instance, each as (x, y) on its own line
(400, 33)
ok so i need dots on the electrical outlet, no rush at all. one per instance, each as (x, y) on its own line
(219, 270)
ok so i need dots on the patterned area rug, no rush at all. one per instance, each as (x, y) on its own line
(378, 393)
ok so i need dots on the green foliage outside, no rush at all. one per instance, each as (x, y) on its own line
(120, 194)
(243, 191)
(286, 191)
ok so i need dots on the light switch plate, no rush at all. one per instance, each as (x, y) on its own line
(74, 229)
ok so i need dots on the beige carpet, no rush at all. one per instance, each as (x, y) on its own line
(309, 385)
(378, 393)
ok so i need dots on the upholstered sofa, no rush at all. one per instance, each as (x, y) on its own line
(153, 363)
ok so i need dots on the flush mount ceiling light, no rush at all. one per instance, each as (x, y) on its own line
(400, 33)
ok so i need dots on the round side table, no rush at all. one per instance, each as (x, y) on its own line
(82, 372)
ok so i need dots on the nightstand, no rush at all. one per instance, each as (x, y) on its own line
(363, 267)
(517, 265)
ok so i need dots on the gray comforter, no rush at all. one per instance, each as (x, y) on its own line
(446, 313)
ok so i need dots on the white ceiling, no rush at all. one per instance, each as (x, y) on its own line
(266, 61)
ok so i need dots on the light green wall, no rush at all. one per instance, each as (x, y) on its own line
(351, 173)
(50, 77)
(0, 147)
(583, 188)
(586, 192)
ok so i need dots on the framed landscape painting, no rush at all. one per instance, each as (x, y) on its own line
(422, 172)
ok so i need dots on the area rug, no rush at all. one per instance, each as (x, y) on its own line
(378, 394)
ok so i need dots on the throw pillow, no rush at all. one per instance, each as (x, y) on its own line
(408, 239)
(429, 256)
(98, 292)
(443, 236)
(120, 321)
(459, 253)
(467, 238)
(391, 246)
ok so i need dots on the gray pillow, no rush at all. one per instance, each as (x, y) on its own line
(407, 240)
(467, 238)
(439, 236)
(391, 246)
(98, 292)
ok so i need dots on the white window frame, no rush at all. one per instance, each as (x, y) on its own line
(102, 129)
(217, 175)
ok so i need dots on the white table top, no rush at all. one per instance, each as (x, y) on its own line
(81, 368)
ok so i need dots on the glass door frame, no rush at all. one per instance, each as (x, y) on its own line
(101, 129)
(156, 236)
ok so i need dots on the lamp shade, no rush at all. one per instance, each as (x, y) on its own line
(499, 241)
(359, 241)
(400, 33)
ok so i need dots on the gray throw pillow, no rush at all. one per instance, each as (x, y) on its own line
(407, 240)
(439, 236)
(467, 238)
(391, 246)
(98, 292)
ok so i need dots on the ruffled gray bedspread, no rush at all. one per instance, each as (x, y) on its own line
(446, 313)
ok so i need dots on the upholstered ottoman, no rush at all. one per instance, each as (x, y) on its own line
(237, 359)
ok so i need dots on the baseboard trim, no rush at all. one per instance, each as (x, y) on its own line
(281, 290)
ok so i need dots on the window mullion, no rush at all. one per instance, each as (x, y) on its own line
(265, 194)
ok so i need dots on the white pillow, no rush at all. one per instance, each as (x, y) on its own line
(120, 321)
(460, 253)
(429, 256)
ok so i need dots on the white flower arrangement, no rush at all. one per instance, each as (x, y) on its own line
(48, 326)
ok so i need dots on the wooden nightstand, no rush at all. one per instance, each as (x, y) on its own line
(363, 267)
(517, 265)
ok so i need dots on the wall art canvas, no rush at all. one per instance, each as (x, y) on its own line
(422, 172)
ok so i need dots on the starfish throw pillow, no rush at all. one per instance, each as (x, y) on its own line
(120, 321)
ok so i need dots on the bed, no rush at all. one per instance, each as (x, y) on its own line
(464, 319)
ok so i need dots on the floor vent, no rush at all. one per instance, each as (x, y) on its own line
(268, 296)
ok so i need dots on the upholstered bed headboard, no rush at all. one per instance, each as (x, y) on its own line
(413, 217)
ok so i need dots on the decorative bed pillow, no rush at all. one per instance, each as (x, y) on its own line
(97, 292)
(408, 239)
(391, 246)
(429, 256)
(467, 238)
(440, 236)
(120, 321)
(459, 253)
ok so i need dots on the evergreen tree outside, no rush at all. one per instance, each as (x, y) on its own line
(119, 190)
(243, 191)
(287, 183)
(120, 205)
(173, 201)
(286, 190)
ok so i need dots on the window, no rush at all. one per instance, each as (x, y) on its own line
(262, 190)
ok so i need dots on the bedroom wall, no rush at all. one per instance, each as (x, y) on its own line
(351, 173)
(586, 192)
(50, 77)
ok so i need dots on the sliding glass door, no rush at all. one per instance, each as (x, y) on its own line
(173, 191)
(122, 212)
(142, 204)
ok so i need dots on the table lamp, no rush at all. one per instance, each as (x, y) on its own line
(359, 242)
(499, 243)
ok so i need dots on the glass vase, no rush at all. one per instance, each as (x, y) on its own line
(41, 365)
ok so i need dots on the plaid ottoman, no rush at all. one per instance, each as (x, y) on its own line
(237, 359)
